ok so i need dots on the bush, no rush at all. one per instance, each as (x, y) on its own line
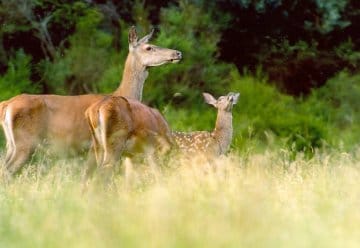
(337, 104)
(265, 112)
(82, 65)
(16, 80)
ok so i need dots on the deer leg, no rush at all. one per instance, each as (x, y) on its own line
(162, 147)
(91, 164)
(113, 149)
(9, 153)
(23, 144)
(6, 124)
(112, 154)
(9, 157)
(99, 153)
(20, 155)
(9, 146)
(94, 158)
(89, 171)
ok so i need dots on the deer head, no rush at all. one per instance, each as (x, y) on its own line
(224, 103)
(148, 54)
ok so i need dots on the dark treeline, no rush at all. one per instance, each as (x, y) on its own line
(298, 44)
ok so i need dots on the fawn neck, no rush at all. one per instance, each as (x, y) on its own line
(133, 79)
(223, 130)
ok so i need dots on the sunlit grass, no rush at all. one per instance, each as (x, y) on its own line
(261, 200)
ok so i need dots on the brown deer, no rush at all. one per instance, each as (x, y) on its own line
(123, 126)
(216, 142)
(28, 120)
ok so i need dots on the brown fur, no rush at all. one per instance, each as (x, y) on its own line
(125, 126)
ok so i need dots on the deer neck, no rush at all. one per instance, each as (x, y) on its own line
(133, 79)
(223, 130)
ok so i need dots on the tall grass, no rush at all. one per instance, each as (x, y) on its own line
(258, 200)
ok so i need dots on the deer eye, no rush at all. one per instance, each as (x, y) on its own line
(149, 48)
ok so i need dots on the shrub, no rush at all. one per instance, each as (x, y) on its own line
(337, 104)
(82, 65)
(265, 112)
(16, 80)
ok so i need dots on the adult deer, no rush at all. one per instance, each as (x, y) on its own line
(123, 126)
(29, 119)
(212, 143)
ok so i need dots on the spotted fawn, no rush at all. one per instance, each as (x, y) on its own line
(216, 142)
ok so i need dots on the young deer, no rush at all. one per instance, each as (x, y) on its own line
(216, 142)
(27, 120)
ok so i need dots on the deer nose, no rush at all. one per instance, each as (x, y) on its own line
(178, 54)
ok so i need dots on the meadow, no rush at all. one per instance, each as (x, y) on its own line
(253, 200)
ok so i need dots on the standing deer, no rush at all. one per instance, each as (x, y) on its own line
(216, 142)
(123, 126)
(30, 119)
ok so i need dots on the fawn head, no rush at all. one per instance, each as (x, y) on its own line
(224, 103)
(148, 54)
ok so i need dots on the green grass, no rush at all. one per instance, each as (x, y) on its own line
(259, 200)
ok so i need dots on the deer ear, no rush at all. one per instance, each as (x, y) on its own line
(209, 99)
(146, 38)
(133, 36)
(236, 97)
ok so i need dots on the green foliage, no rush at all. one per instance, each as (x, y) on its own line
(347, 52)
(81, 66)
(16, 80)
(66, 14)
(112, 75)
(338, 105)
(265, 112)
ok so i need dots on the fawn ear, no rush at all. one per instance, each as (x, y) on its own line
(209, 99)
(146, 38)
(133, 38)
(236, 97)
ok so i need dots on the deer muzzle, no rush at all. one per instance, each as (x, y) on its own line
(177, 56)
